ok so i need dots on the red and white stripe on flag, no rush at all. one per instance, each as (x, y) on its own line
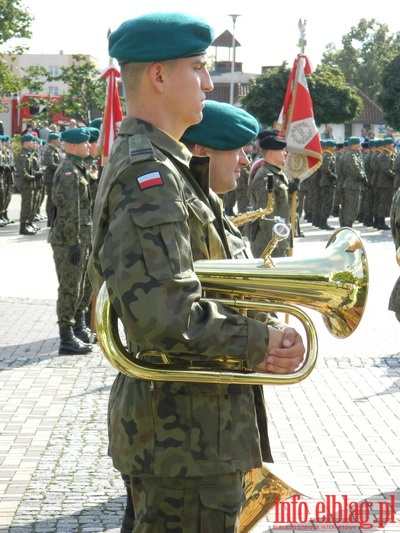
(113, 111)
(298, 124)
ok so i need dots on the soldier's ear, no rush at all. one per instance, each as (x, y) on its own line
(199, 150)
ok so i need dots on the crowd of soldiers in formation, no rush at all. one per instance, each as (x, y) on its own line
(355, 182)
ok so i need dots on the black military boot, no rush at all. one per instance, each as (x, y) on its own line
(26, 230)
(71, 345)
(324, 225)
(382, 224)
(128, 520)
(81, 331)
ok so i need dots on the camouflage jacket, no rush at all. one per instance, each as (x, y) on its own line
(386, 162)
(353, 170)
(328, 176)
(153, 217)
(71, 197)
(51, 159)
(24, 168)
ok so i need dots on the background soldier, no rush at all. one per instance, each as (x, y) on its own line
(327, 183)
(51, 159)
(374, 178)
(260, 231)
(70, 238)
(368, 207)
(25, 169)
(354, 179)
(7, 172)
(384, 186)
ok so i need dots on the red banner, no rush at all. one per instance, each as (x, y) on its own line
(298, 125)
(113, 111)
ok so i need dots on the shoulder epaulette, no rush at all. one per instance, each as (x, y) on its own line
(140, 149)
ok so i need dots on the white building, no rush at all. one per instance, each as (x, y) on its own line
(52, 62)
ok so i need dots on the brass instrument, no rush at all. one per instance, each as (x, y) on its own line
(263, 488)
(320, 283)
(243, 218)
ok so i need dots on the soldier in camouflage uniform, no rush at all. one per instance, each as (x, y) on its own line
(374, 178)
(92, 175)
(70, 238)
(354, 179)
(396, 180)
(260, 231)
(394, 300)
(185, 445)
(341, 149)
(327, 183)
(26, 172)
(368, 208)
(2, 181)
(51, 159)
(384, 186)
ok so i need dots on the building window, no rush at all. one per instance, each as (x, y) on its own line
(53, 90)
(53, 71)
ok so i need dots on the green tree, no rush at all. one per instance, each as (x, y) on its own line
(388, 98)
(15, 22)
(333, 100)
(367, 49)
(86, 94)
(266, 93)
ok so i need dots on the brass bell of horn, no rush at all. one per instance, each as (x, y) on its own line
(334, 283)
(264, 488)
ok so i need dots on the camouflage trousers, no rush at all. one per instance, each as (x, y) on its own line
(191, 505)
(28, 197)
(71, 284)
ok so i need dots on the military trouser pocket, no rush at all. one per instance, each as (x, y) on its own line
(220, 508)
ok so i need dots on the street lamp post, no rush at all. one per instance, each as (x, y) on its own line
(234, 17)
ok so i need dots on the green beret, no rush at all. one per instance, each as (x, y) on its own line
(330, 143)
(346, 142)
(94, 134)
(75, 135)
(96, 123)
(371, 143)
(379, 142)
(387, 140)
(159, 37)
(54, 135)
(354, 140)
(28, 138)
(223, 127)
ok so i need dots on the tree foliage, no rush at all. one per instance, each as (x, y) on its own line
(367, 49)
(388, 97)
(333, 100)
(86, 92)
(266, 93)
(15, 22)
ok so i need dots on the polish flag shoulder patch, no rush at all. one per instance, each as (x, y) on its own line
(152, 179)
(68, 174)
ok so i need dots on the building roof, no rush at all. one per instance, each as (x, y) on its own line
(371, 113)
(225, 40)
